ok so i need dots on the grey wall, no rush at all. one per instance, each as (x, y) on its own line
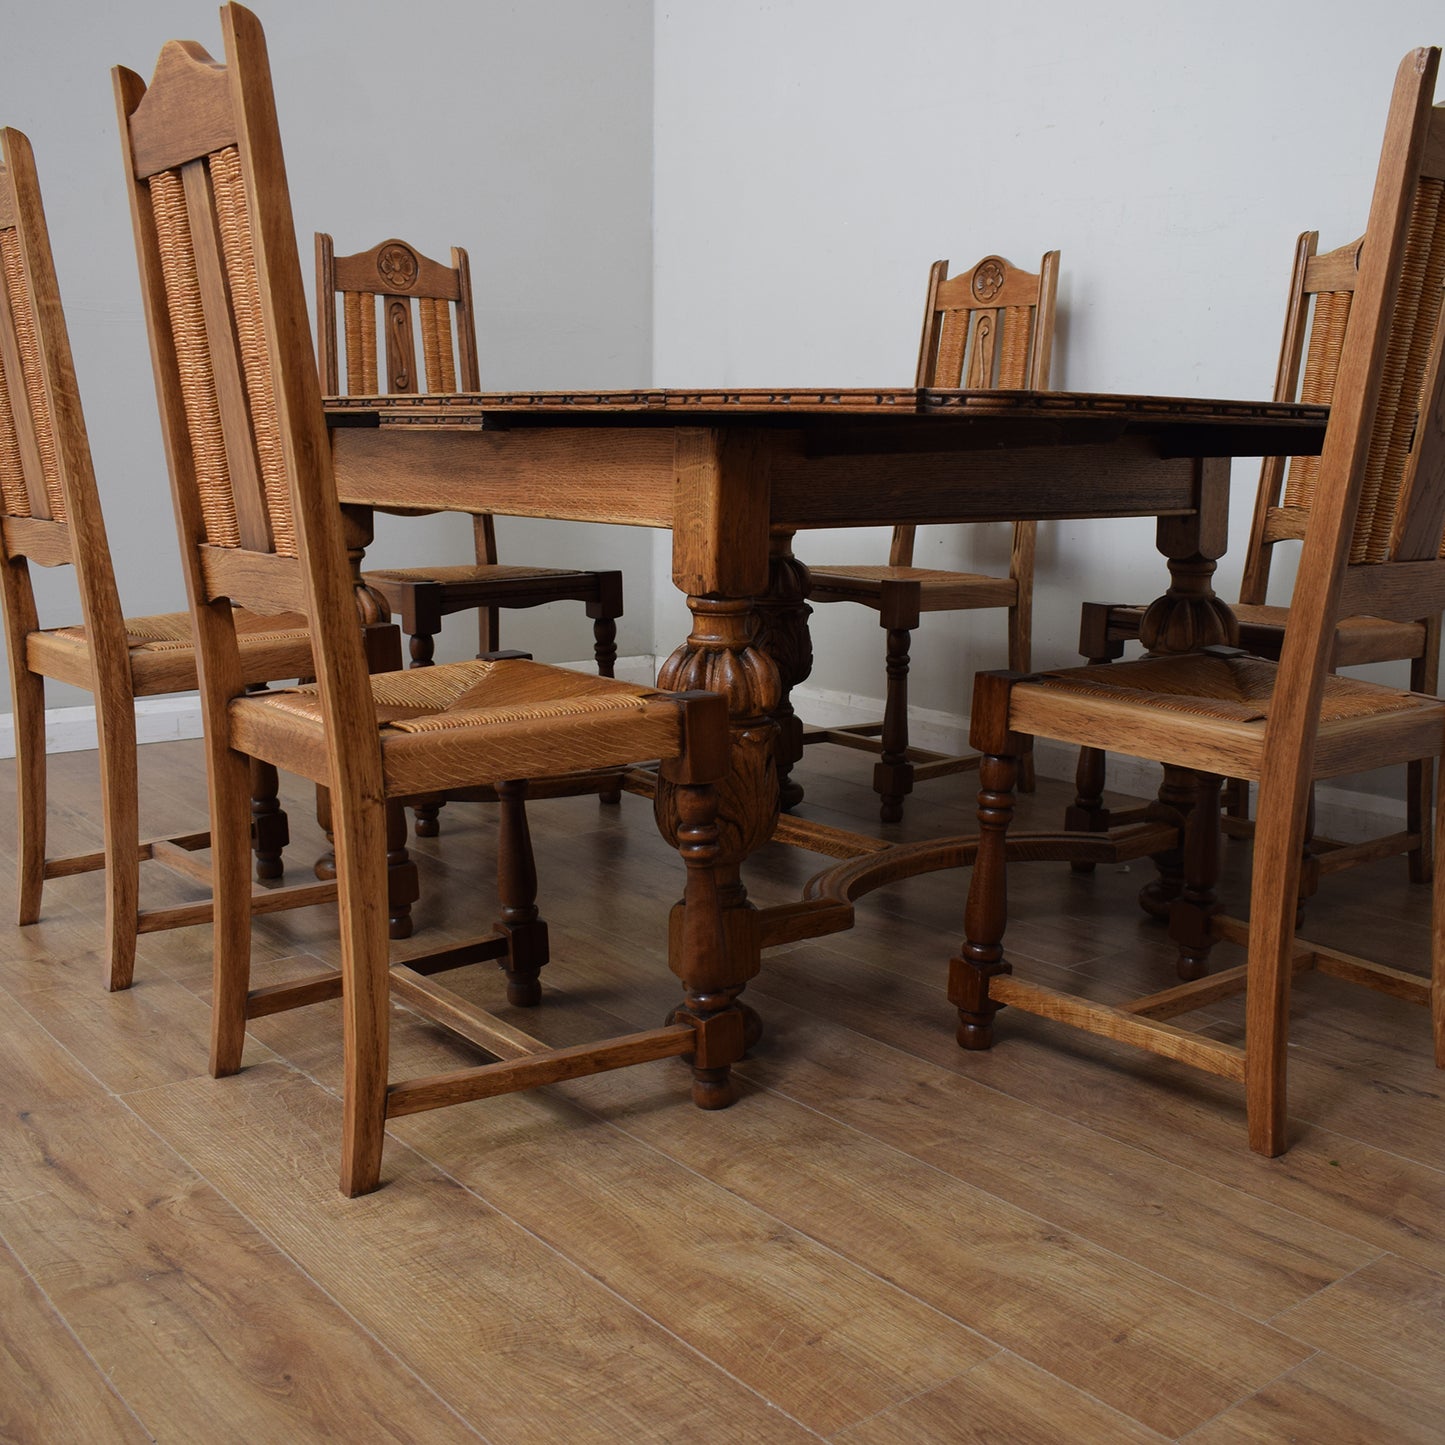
(522, 132)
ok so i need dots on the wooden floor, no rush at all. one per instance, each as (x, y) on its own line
(885, 1240)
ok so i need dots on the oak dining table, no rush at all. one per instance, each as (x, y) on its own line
(734, 473)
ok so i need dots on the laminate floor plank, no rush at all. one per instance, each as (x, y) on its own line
(1003, 1399)
(826, 1340)
(1388, 1318)
(202, 1327)
(1327, 1401)
(520, 1342)
(1189, 1119)
(50, 1389)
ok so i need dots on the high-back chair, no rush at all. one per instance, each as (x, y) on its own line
(1321, 294)
(1372, 548)
(50, 516)
(256, 507)
(991, 326)
(392, 297)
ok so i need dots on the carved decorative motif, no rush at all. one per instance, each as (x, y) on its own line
(988, 278)
(397, 265)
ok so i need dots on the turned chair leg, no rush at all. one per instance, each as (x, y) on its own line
(1088, 813)
(29, 705)
(527, 948)
(403, 884)
(981, 959)
(710, 1003)
(893, 773)
(1190, 913)
(604, 645)
(1177, 795)
(422, 646)
(270, 832)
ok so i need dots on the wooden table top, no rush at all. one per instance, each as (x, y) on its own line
(951, 418)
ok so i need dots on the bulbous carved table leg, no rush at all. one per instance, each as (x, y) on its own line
(720, 656)
(782, 633)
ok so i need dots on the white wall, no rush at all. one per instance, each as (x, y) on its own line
(813, 157)
(522, 132)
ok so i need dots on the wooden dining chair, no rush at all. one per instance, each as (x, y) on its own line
(50, 516)
(1372, 548)
(255, 497)
(991, 326)
(392, 298)
(1321, 294)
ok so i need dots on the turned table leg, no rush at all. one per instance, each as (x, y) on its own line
(782, 633)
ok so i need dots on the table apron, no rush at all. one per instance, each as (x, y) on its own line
(1037, 482)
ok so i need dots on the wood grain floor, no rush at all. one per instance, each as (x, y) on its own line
(885, 1240)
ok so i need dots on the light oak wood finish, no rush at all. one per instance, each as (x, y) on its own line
(1321, 292)
(990, 326)
(247, 445)
(50, 516)
(1224, 713)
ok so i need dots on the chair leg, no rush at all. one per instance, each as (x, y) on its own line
(1274, 891)
(1419, 789)
(231, 888)
(29, 705)
(527, 949)
(1190, 913)
(1437, 934)
(120, 811)
(893, 773)
(981, 956)
(1177, 794)
(710, 998)
(604, 649)
(403, 885)
(1088, 813)
(604, 645)
(422, 646)
(270, 832)
(361, 876)
(1420, 793)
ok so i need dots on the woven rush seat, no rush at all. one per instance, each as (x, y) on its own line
(162, 650)
(1204, 696)
(433, 720)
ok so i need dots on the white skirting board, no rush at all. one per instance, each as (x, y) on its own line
(165, 719)
(1339, 812)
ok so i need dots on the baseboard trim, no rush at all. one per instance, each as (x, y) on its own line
(167, 719)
